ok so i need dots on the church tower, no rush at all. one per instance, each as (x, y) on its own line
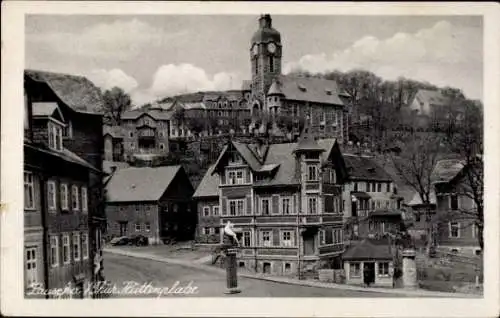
(265, 58)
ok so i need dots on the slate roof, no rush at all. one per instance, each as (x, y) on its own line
(277, 154)
(310, 89)
(209, 185)
(64, 154)
(369, 249)
(446, 169)
(140, 184)
(77, 92)
(365, 168)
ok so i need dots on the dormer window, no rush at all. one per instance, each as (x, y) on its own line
(328, 91)
(302, 87)
(68, 130)
(55, 136)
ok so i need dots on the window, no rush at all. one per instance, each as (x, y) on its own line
(239, 177)
(383, 269)
(206, 211)
(265, 238)
(54, 251)
(131, 134)
(354, 269)
(147, 227)
(137, 227)
(76, 246)
(454, 228)
(66, 249)
(379, 187)
(217, 230)
(388, 187)
(337, 236)
(312, 205)
(85, 206)
(206, 230)
(322, 240)
(162, 146)
(132, 145)
(51, 195)
(29, 191)
(75, 202)
(55, 136)
(236, 207)
(247, 238)
(454, 202)
(234, 158)
(85, 245)
(286, 238)
(265, 206)
(355, 187)
(286, 205)
(333, 176)
(215, 211)
(312, 173)
(287, 269)
(31, 266)
(271, 64)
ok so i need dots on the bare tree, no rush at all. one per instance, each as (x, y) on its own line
(415, 164)
(116, 102)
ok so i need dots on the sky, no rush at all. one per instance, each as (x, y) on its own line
(154, 56)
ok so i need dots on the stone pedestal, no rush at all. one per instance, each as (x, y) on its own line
(231, 272)
(409, 269)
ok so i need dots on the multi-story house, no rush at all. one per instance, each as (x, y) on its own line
(371, 203)
(286, 198)
(154, 202)
(457, 217)
(206, 198)
(61, 181)
(140, 132)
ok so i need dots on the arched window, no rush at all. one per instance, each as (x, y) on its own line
(271, 64)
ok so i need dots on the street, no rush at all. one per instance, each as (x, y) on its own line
(121, 269)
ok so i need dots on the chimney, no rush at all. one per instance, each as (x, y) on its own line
(265, 21)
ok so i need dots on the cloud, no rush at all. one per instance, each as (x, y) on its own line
(116, 77)
(120, 39)
(174, 79)
(444, 54)
(168, 80)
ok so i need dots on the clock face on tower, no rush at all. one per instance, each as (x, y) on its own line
(271, 47)
(255, 49)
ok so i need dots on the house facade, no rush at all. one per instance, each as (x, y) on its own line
(152, 202)
(206, 198)
(62, 182)
(286, 198)
(140, 132)
(370, 198)
(457, 228)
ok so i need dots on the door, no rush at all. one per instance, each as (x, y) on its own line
(123, 228)
(369, 273)
(266, 268)
(309, 245)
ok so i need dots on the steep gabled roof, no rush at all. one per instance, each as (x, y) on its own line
(140, 184)
(47, 109)
(278, 159)
(445, 170)
(311, 89)
(209, 185)
(157, 114)
(77, 92)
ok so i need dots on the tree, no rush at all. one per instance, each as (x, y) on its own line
(196, 124)
(465, 138)
(415, 164)
(116, 102)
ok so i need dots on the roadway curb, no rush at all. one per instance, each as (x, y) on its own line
(414, 293)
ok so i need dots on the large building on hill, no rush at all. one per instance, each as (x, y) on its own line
(286, 198)
(276, 94)
(63, 192)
